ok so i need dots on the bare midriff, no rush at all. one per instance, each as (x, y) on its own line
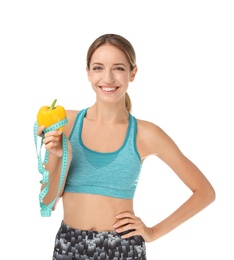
(93, 212)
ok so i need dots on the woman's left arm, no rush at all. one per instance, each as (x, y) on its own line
(153, 140)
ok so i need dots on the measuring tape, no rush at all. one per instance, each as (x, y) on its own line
(47, 209)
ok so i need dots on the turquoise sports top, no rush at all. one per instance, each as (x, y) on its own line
(113, 174)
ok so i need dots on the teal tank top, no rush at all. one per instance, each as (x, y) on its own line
(113, 174)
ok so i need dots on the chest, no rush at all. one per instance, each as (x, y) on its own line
(103, 138)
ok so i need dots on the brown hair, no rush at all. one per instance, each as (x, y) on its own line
(122, 44)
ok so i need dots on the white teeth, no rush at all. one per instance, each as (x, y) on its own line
(108, 89)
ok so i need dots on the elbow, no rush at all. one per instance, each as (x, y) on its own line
(205, 195)
(212, 195)
(209, 195)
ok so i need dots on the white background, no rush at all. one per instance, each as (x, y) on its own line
(184, 84)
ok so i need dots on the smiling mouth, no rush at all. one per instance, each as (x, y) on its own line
(109, 89)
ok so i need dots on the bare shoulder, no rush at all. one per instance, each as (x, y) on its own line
(71, 117)
(72, 114)
(150, 130)
(152, 139)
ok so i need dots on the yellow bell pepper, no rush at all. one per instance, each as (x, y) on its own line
(49, 115)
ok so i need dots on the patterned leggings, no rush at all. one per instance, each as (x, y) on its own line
(74, 244)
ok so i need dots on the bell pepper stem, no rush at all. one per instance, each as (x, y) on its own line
(53, 105)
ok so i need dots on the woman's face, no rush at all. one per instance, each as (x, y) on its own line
(110, 73)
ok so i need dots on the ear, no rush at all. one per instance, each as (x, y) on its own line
(88, 73)
(133, 74)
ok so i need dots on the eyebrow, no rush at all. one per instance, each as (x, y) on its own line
(115, 64)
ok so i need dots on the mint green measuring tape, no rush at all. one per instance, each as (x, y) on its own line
(47, 209)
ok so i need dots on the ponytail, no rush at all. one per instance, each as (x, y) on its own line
(128, 102)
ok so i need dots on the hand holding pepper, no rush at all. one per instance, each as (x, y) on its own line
(46, 117)
(52, 141)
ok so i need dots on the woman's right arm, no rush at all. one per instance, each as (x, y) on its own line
(53, 144)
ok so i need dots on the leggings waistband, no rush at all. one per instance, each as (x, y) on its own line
(92, 233)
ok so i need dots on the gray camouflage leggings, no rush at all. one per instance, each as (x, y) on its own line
(74, 244)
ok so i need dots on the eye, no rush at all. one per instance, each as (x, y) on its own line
(97, 68)
(119, 68)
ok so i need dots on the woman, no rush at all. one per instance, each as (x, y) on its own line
(106, 149)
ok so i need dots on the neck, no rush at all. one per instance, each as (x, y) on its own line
(108, 112)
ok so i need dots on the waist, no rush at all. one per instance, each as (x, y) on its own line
(93, 212)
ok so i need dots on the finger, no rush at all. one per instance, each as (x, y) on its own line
(123, 222)
(127, 227)
(50, 139)
(40, 130)
(126, 214)
(130, 234)
(53, 133)
(51, 145)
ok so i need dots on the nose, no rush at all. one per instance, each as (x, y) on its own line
(108, 77)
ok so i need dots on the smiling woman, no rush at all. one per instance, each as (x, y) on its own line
(107, 146)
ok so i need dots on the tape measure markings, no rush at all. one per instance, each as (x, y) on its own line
(47, 209)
